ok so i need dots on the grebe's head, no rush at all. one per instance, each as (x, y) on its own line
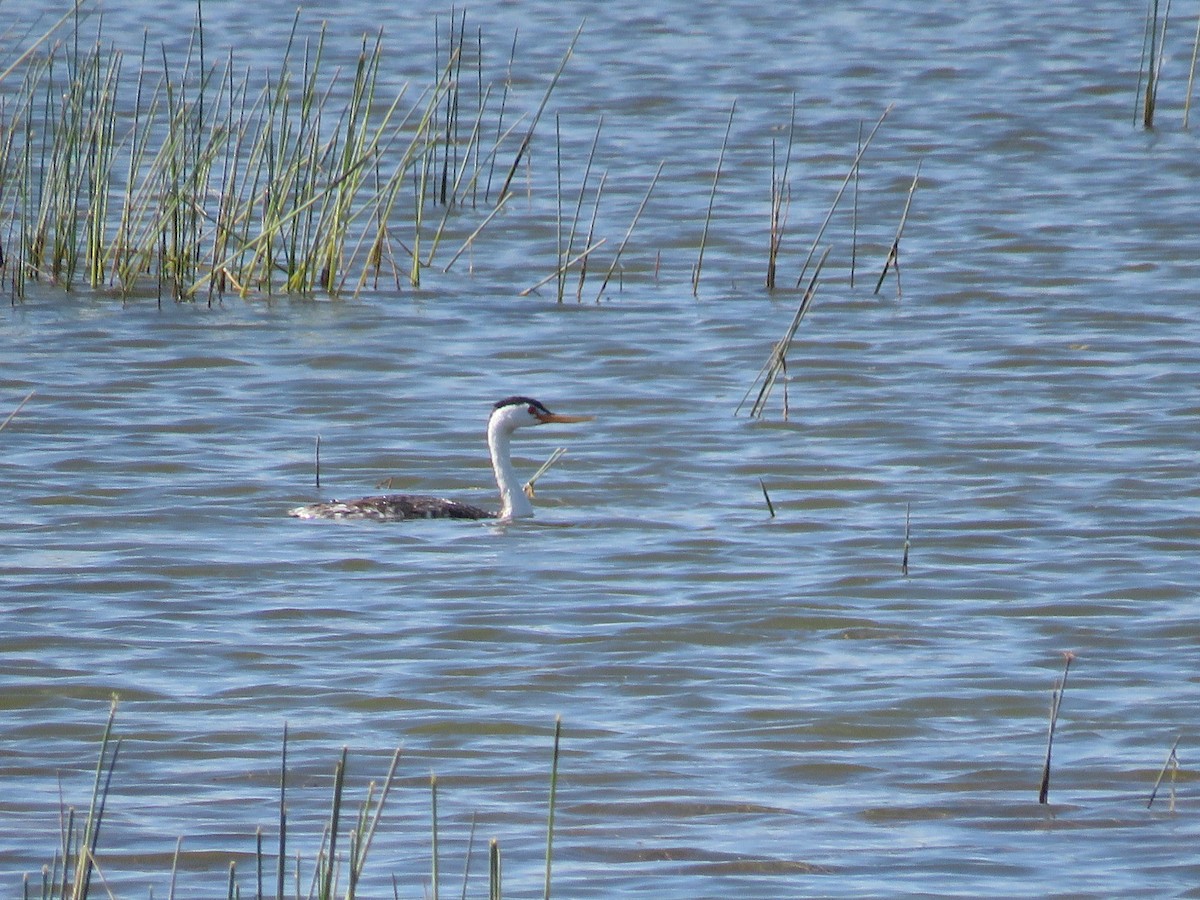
(512, 413)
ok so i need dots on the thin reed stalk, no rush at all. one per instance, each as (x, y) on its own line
(328, 881)
(1171, 764)
(583, 266)
(528, 138)
(1187, 100)
(1055, 705)
(565, 260)
(467, 863)
(780, 200)
(561, 270)
(1152, 55)
(893, 257)
(776, 363)
(629, 231)
(550, 814)
(712, 199)
(841, 190)
(281, 858)
(433, 877)
(907, 542)
(854, 214)
(12, 415)
(767, 497)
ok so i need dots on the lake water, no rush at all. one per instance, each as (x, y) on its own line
(752, 705)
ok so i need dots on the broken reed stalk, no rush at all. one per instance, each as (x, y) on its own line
(780, 200)
(550, 814)
(777, 361)
(893, 257)
(1055, 704)
(712, 198)
(770, 506)
(629, 232)
(561, 270)
(493, 869)
(907, 544)
(841, 190)
(474, 234)
(1172, 764)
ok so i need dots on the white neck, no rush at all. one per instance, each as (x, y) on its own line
(513, 502)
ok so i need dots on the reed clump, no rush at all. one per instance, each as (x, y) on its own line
(76, 872)
(187, 178)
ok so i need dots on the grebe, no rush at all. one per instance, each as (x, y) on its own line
(507, 416)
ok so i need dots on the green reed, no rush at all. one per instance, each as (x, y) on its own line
(336, 871)
(69, 875)
(183, 177)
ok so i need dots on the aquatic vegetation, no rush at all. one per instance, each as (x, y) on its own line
(185, 179)
(75, 871)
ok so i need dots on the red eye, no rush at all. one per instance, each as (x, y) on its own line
(533, 411)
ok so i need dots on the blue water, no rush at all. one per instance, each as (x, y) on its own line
(751, 704)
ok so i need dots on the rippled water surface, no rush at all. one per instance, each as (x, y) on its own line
(752, 705)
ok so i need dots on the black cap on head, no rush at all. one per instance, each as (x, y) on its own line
(520, 401)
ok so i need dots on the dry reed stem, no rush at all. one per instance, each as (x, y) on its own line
(893, 257)
(629, 231)
(841, 190)
(1055, 704)
(778, 359)
(854, 214)
(12, 415)
(525, 142)
(1172, 764)
(1187, 103)
(550, 814)
(770, 506)
(561, 270)
(553, 458)
(712, 198)
(587, 173)
(780, 200)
